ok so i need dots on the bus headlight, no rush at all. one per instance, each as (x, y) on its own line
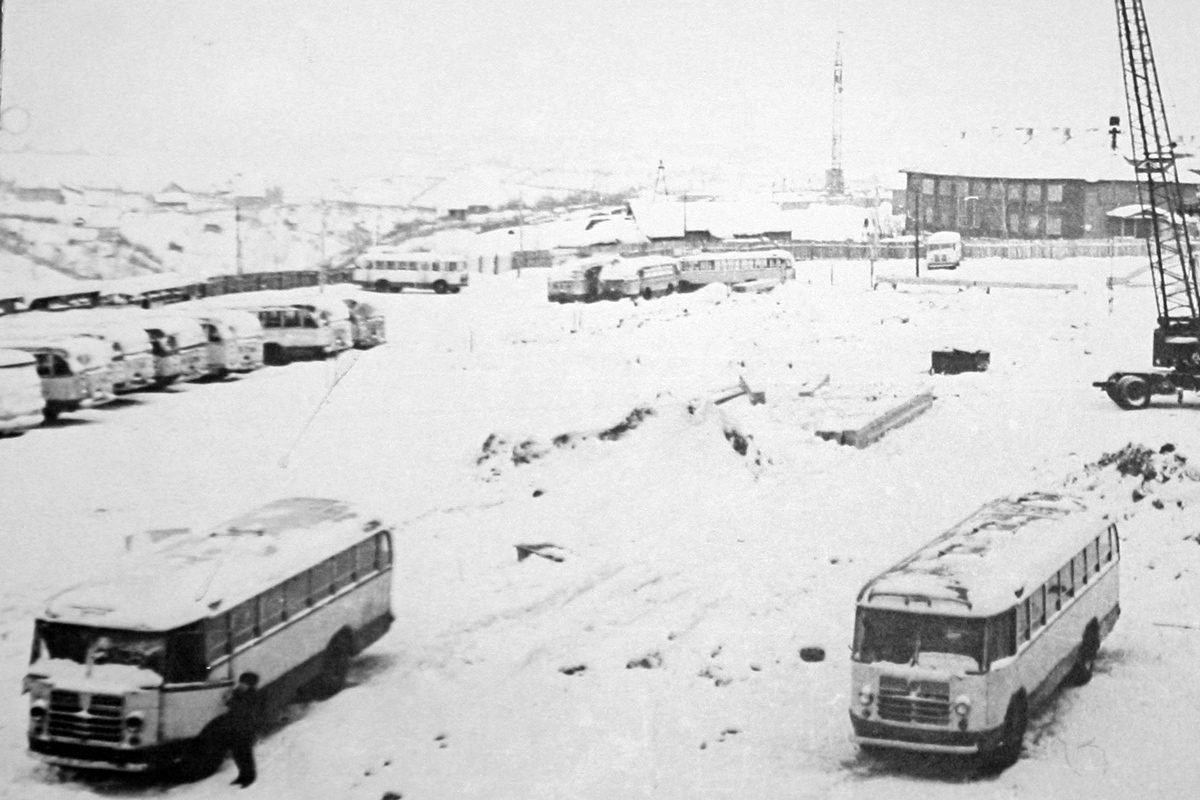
(962, 705)
(134, 723)
(866, 695)
(37, 715)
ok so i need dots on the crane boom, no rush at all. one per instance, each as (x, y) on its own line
(1170, 248)
(1176, 354)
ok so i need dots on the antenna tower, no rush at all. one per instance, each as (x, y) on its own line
(834, 183)
(660, 181)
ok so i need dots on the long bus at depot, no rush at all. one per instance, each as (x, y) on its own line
(130, 669)
(957, 644)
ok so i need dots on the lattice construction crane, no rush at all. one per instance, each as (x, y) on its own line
(1176, 355)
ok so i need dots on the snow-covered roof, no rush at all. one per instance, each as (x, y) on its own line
(1031, 154)
(189, 575)
(88, 322)
(991, 559)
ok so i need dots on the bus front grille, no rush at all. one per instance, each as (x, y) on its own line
(922, 702)
(75, 715)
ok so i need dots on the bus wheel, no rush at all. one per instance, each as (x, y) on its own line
(203, 756)
(335, 665)
(50, 413)
(646, 293)
(1085, 664)
(1013, 738)
(439, 287)
(670, 288)
(382, 286)
(1133, 391)
(275, 354)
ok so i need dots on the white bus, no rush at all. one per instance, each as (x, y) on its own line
(389, 269)
(640, 276)
(21, 400)
(235, 340)
(133, 358)
(76, 371)
(943, 250)
(295, 325)
(130, 670)
(955, 645)
(735, 266)
(577, 280)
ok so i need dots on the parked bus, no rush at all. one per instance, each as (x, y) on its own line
(75, 371)
(943, 250)
(735, 266)
(577, 280)
(640, 276)
(21, 400)
(368, 327)
(296, 326)
(388, 269)
(133, 359)
(182, 333)
(130, 669)
(958, 643)
(235, 340)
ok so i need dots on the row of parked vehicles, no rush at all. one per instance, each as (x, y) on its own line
(614, 277)
(60, 361)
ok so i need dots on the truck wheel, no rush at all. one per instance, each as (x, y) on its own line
(1132, 391)
(439, 287)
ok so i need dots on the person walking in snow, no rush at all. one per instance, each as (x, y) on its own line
(242, 726)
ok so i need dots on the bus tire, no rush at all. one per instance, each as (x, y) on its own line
(1085, 663)
(335, 665)
(275, 354)
(1132, 391)
(1012, 740)
(50, 413)
(204, 755)
(647, 294)
(382, 286)
(439, 287)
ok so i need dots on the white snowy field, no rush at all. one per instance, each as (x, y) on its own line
(660, 657)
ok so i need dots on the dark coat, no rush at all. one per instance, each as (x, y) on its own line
(242, 716)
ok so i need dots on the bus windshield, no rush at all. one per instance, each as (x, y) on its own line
(81, 644)
(927, 640)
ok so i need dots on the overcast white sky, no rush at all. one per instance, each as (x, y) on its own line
(338, 86)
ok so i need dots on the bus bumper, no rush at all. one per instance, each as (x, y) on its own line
(935, 740)
(82, 756)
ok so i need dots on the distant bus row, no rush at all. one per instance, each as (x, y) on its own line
(613, 277)
(53, 362)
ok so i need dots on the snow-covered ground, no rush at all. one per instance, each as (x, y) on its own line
(660, 657)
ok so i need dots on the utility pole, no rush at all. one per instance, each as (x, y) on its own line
(917, 228)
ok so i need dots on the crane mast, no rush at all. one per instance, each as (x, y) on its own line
(1170, 247)
(1176, 352)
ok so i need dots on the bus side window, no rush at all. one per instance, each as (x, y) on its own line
(1065, 582)
(1053, 598)
(1116, 541)
(1001, 643)
(385, 551)
(271, 608)
(1037, 609)
(269, 319)
(1023, 621)
(309, 320)
(216, 638)
(1094, 555)
(368, 551)
(291, 318)
(343, 569)
(1079, 567)
(322, 580)
(243, 622)
(295, 593)
(437, 266)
